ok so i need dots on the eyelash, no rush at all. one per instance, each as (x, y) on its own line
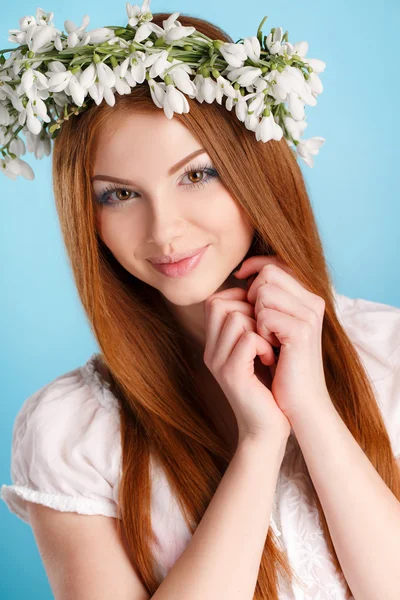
(103, 198)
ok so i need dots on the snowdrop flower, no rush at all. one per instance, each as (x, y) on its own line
(5, 117)
(309, 148)
(101, 34)
(257, 104)
(35, 108)
(16, 166)
(181, 79)
(17, 147)
(318, 66)
(234, 54)
(135, 13)
(274, 41)
(40, 145)
(62, 79)
(158, 62)
(252, 48)
(245, 75)
(32, 81)
(76, 35)
(238, 101)
(207, 89)
(295, 128)
(157, 91)
(173, 31)
(223, 88)
(268, 129)
(174, 102)
(252, 122)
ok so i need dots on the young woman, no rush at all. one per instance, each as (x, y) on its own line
(237, 434)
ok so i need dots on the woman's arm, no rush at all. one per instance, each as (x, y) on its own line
(222, 560)
(84, 558)
(362, 513)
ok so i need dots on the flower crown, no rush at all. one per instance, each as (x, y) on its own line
(49, 77)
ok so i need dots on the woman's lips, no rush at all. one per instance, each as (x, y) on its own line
(182, 267)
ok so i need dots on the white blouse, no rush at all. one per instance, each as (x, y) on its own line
(66, 454)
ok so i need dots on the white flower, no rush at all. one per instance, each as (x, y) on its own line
(158, 92)
(174, 102)
(58, 81)
(5, 117)
(240, 104)
(317, 65)
(295, 128)
(103, 72)
(96, 91)
(309, 148)
(199, 82)
(135, 13)
(138, 66)
(274, 41)
(251, 122)
(172, 31)
(268, 129)
(32, 81)
(257, 103)
(35, 108)
(77, 36)
(296, 106)
(40, 38)
(299, 48)
(234, 54)
(62, 79)
(100, 35)
(234, 100)
(182, 80)
(17, 146)
(158, 62)
(209, 89)
(39, 144)
(12, 167)
(121, 84)
(315, 84)
(253, 49)
(103, 88)
(245, 75)
(35, 32)
(224, 88)
(143, 32)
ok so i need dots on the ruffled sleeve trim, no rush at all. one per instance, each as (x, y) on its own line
(15, 496)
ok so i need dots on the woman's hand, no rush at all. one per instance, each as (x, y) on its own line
(232, 344)
(290, 317)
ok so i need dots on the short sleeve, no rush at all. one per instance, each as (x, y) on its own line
(374, 329)
(66, 449)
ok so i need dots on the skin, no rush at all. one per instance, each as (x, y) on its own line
(163, 213)
(166, 213)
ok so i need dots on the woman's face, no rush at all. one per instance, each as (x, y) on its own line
(162, 210)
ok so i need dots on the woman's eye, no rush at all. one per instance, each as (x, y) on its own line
(197, 176)
(122, 194)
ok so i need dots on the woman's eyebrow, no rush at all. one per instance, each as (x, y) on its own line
(171, 171)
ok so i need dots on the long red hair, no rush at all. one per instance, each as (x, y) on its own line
(147, 354)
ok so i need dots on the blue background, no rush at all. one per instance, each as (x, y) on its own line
(353, 188)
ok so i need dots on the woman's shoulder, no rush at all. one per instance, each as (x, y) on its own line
(374, 327)
(66, 449)
(374, 330)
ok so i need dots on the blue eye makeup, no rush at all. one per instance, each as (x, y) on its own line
(104, 198)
